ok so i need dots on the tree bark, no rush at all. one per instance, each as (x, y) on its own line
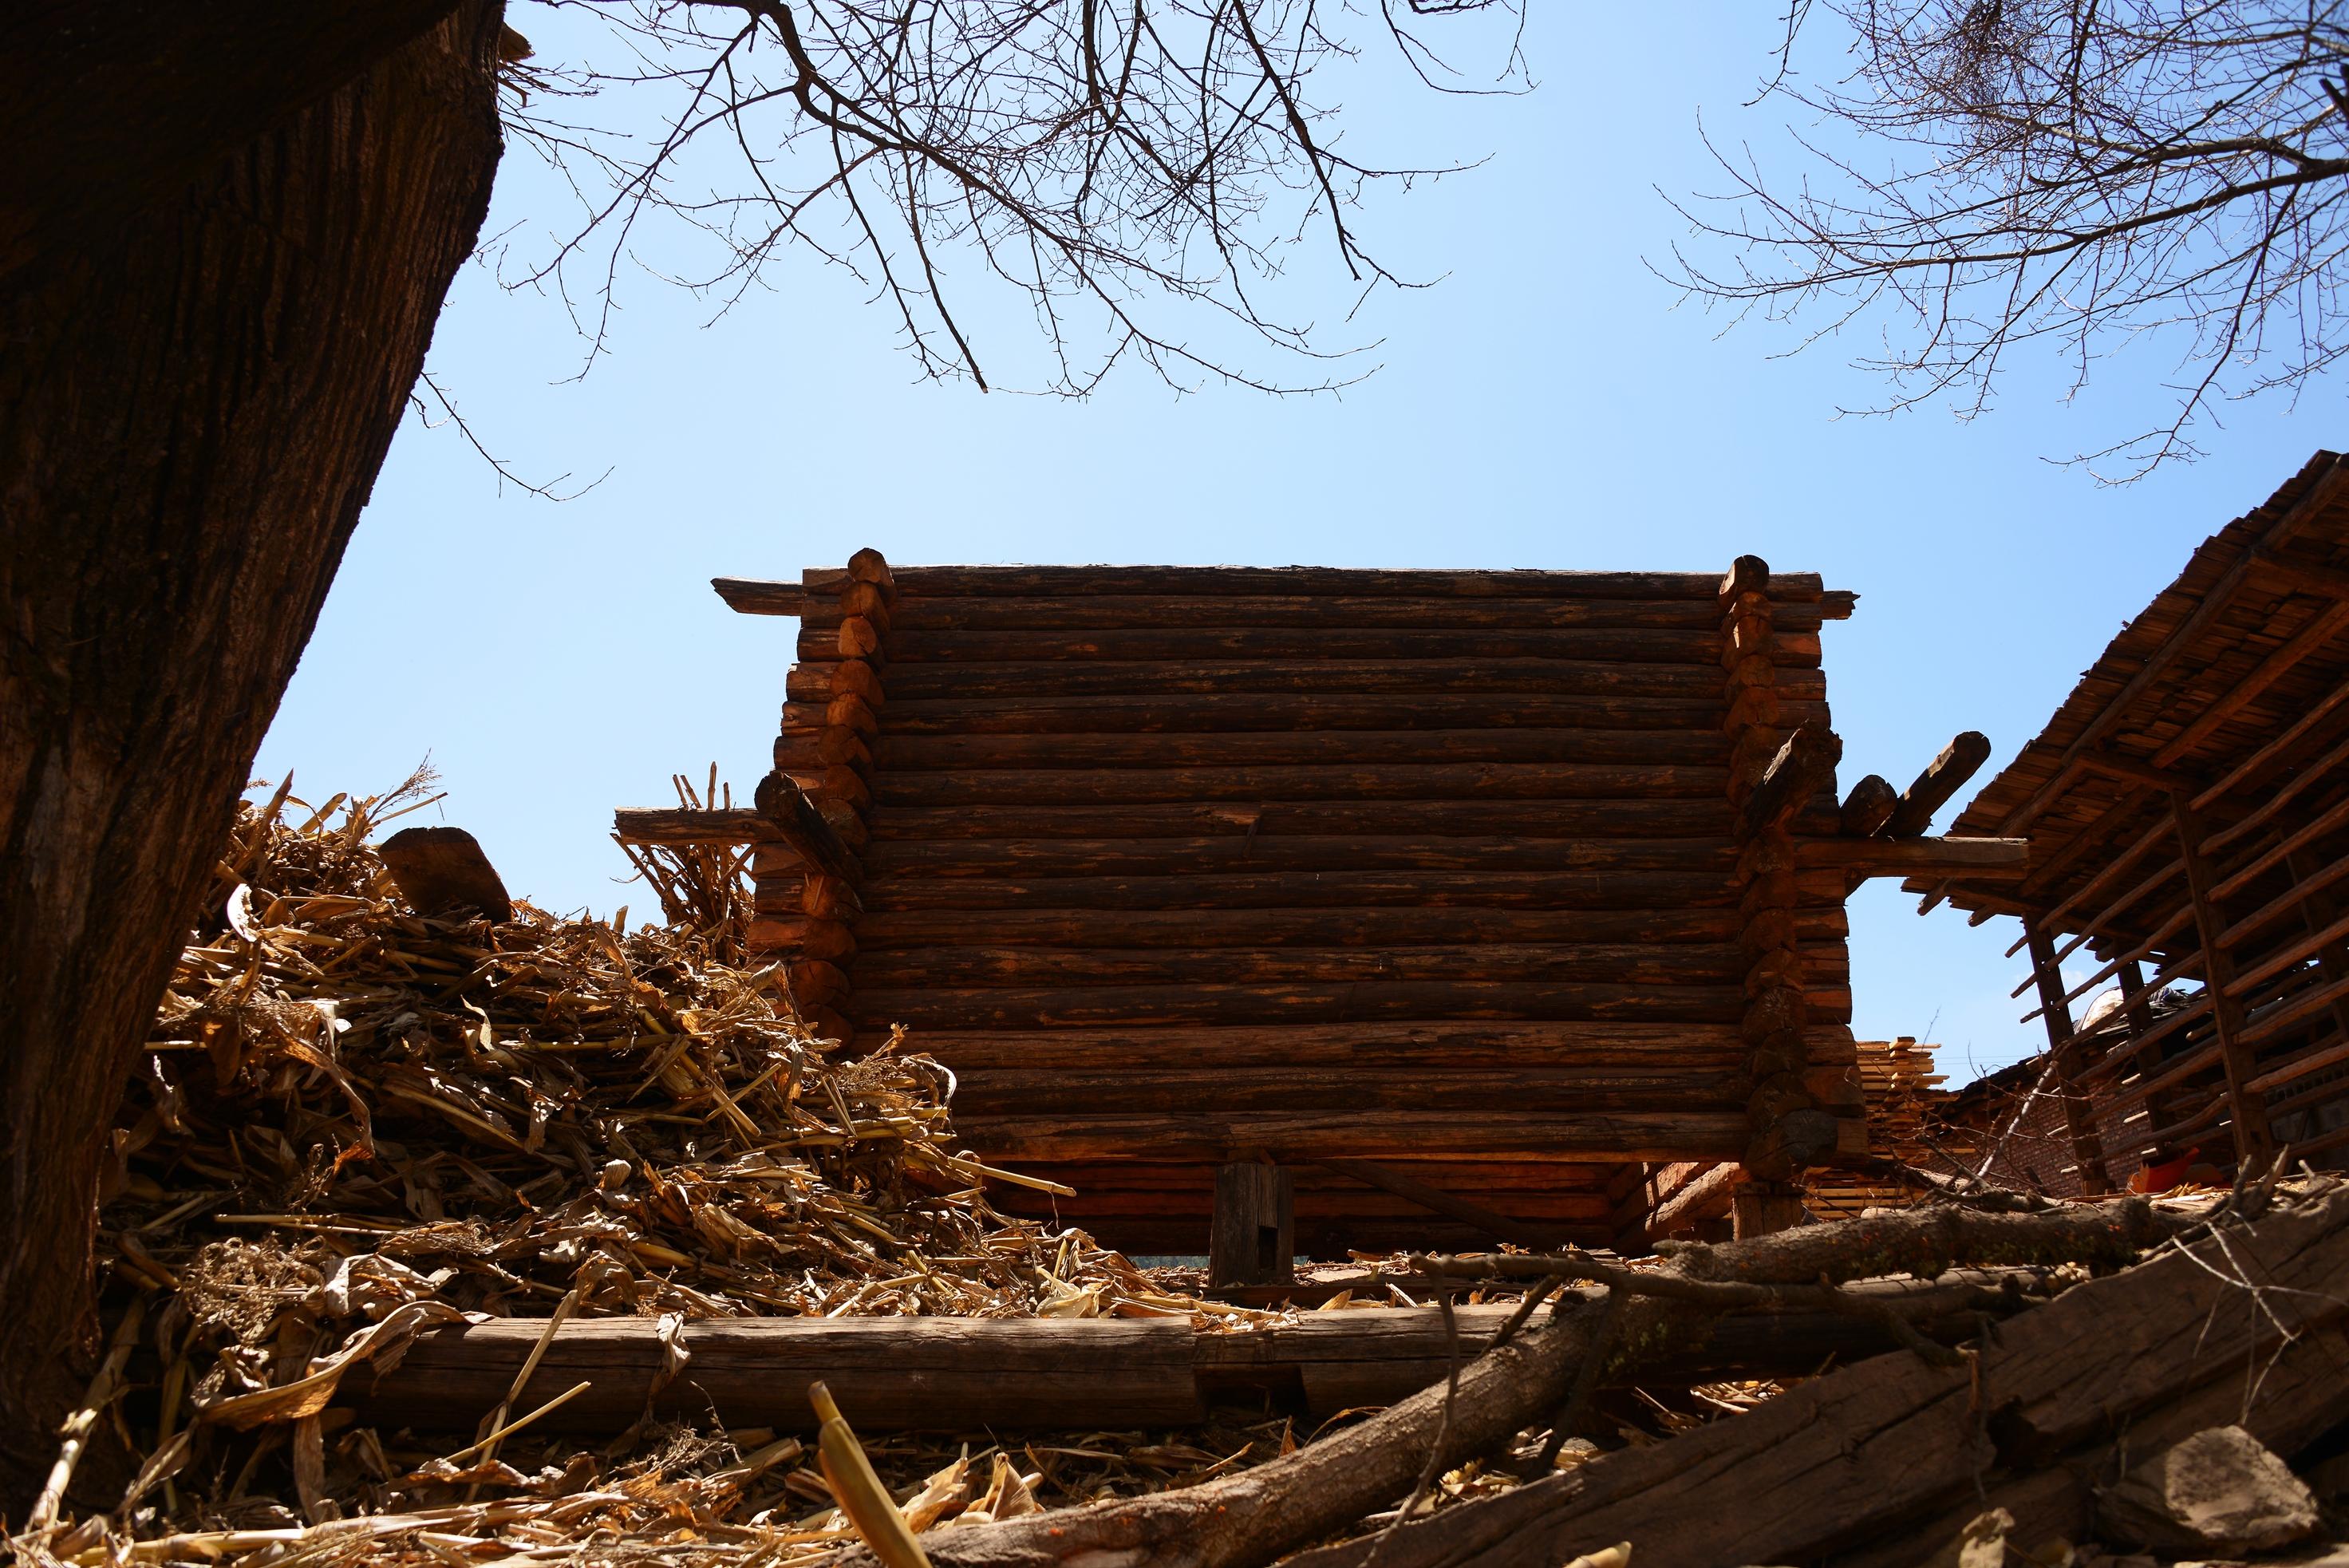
(191, 415)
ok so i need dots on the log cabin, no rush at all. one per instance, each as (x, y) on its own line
(1307, 910)
(2188, 812)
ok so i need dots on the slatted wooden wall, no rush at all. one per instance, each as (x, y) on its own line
(1178, 866)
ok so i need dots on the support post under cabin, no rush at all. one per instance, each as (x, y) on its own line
(1251, 1240)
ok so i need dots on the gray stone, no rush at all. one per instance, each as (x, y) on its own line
(2219, 1492)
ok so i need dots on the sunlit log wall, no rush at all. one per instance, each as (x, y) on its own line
(2188, 813)
(1173, 867)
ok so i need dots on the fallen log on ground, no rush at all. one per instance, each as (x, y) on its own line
(2241, 1325)
(1250, 1518)
(896, 1373)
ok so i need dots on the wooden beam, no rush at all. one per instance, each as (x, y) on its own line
(1868, 806)
(2309, 576)
(2079, 1117)
(895, 1374)
(1966, 858)
(752, 595)
(1706, 1198)
(2253, 1140)
(1804, 766)
(676, 826)
(1943, 778)
(1498, 1225)
(796, 821)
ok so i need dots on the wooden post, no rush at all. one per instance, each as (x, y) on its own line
(2246, 1110)
(1763, 1208)
(2079, 1116)
(1251, 1240)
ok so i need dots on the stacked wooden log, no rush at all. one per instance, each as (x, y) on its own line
(1178, 866)
(804, 908)
(1801, 1109)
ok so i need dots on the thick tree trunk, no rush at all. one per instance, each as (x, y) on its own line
(191, 419)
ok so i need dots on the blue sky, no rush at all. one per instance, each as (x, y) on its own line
(1548, 403)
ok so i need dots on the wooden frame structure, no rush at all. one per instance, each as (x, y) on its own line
(2188, 808)
(1463, 896)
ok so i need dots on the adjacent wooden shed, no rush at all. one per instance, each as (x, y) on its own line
(1460, 897)
(2188, 808)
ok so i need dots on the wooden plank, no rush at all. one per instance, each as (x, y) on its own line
(1448, 780)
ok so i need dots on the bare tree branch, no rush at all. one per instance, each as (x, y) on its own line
(2088, 173)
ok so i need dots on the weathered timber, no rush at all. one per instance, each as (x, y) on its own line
(1239, 852)
(1407, 925)
(1450, 781)
(897, 751)
(1805, 766)
(2253, 1138)
(1325, 889)
(1392, 1179)
(2063, 1062)
(927, 612)
(1705, 1198)
(1636, 1047)
(1663, 964)
(1942, 778)
(1361, 1135)
(1252, 1228)
(1698, 817)
(1868, 806)
(1090, 582)
(1552, 676)
(679, 826)
(1971, 858)
(945, 1374)
(1015, 1007)
(911, 644)
(797, 823)
(442, 869)
(1243, 712)
(1073, 1091)
(1784, 1483)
